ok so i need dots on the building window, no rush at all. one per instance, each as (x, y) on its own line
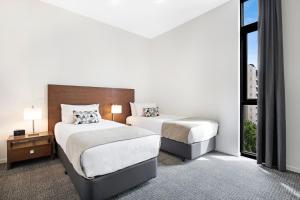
(249, 76)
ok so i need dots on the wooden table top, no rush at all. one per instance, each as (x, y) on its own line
(26, 136)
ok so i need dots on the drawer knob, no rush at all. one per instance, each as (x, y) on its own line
(31, 151)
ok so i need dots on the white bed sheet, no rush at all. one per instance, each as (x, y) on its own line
(108, 158)
(205, 131)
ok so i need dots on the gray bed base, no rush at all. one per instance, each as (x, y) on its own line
(187, 151)
(106, 186)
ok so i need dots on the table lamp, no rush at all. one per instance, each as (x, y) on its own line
(116, 109)
(32, 114)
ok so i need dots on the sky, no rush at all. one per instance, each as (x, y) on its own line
(250, 16)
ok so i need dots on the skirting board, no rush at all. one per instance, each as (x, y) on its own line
(3, 160)
(293, 169)
(236, 154)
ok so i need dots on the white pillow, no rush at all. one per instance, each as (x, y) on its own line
(133, 111)
(139, 107)
(67, 111)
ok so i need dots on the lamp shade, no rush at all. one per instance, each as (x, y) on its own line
(32, 113)
(116, 109)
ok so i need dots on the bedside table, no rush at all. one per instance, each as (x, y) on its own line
(20, 148)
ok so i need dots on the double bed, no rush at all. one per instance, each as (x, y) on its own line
(105, 158)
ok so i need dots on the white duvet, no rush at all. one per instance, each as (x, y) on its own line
(108, 158)
(208, 129)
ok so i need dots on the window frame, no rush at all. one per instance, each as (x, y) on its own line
(244, 100)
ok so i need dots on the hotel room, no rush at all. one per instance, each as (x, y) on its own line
(149, 99)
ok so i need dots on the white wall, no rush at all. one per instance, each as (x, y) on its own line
(195, 70)
(291, 33)
(42, 44)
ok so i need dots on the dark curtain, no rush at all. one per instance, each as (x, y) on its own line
(271, 130)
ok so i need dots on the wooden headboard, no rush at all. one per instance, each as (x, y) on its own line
(79, 95)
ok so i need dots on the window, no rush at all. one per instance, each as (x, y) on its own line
(249, 76)
(250, 12)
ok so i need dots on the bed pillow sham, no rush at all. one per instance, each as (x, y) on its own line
(139, 108)
(85, 117)
(67, 111)
(151, 112)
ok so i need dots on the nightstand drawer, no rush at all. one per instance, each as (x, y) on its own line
(29, 153)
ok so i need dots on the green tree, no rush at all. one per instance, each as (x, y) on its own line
(250, 136)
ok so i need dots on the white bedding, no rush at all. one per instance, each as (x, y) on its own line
(207, 130)
(108, 158)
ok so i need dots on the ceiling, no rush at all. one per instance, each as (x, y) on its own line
(148, 18)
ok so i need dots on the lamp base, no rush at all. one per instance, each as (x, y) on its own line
(32, 134)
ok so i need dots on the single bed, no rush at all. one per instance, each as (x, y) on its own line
(110, 157)
(201, 139)
(120, 163)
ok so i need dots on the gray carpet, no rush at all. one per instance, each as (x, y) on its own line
(214, 176)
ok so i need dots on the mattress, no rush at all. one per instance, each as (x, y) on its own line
(111, 157)
(204, 132)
